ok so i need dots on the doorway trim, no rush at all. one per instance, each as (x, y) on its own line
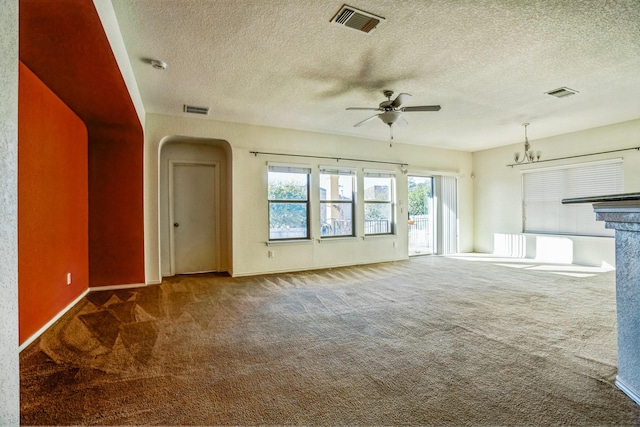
(216, 202)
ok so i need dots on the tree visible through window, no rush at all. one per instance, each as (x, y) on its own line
(419, 195)
(288, 202)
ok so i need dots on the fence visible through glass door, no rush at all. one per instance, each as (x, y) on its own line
(420, 218)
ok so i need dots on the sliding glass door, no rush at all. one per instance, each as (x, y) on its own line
(420, 215)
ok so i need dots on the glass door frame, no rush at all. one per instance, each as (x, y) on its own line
(420, 228)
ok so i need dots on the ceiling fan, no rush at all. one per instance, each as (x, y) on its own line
(391, 111)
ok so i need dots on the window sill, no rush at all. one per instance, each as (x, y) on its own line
(551, 234)
(289, 242)
(338, 239)
(380, 236)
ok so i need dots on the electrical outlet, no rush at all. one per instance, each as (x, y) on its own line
(395, 244)
(271, 254)
(68, 278)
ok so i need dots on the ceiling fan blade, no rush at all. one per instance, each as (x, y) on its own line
(363, 108)
(400, 99)
(365, 121)
(422, 108)
(402, 121)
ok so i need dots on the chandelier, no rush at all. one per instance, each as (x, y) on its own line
(529, 155)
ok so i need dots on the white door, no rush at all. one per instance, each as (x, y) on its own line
(194, 218)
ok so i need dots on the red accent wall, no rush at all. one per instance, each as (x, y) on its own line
(63, 42)
(116, 204)
(52, 204)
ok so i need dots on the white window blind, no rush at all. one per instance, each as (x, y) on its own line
(446, 198)
(543, 191)
(370, 173)
(337, 171)
(289, 168)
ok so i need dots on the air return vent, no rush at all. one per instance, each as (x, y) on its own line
(196, 110)
(357, 19)
(562, 92)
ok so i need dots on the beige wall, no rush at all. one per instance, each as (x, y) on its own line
(248, 192)
(497, 188)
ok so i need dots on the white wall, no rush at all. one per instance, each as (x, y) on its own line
(112, 30)
(249, 189)
(498, 195)
(9, 370)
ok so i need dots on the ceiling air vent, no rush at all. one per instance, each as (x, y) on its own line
(562, 92)
(357, 19)
(196, 110)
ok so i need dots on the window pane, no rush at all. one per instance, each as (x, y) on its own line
(288, 186)
(337, 219)
(377, 189)
(377, 218)
(287, 220)
(336, 187)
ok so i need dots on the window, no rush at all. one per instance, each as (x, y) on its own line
(543, 191)
(337, 191)
(288, 202)
(378, 202)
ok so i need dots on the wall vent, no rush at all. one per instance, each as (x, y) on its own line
(196, 110)
(562, 92)
(357, 19)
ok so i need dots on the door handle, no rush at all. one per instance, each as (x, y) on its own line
(175, 224)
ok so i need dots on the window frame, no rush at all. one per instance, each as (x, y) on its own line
(291, 169)
(335, 171)
(391, 202)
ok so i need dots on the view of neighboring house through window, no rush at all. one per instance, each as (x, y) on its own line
(337, 192)
(288, 202)
(543, 191)
(378, 202)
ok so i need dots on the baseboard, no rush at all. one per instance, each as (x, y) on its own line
(628, 390)
(33, 337)
(317, 267)
(117, 287)
(40, 331)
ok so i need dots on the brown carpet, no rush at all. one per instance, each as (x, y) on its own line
(429, 341)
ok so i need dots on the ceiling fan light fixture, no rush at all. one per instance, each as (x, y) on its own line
(390, 117)
(390, 111)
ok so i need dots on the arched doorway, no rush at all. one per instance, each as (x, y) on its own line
(194, 205)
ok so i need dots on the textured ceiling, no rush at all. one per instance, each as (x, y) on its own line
(487, 63)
